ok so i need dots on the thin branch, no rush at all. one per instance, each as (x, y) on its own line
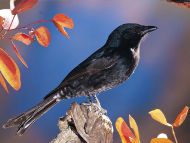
(11, 23)
(174, 135)
(27, 27)
(2, 35)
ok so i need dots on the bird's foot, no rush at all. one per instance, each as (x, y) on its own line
(95, 102)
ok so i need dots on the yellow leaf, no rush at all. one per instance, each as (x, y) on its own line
(161, 140)
(158, 116)
(135, 128)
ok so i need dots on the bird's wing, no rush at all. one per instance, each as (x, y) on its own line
(86, 68)
(91, 67)
(101, 60)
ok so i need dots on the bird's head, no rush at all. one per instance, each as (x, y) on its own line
(129, 35)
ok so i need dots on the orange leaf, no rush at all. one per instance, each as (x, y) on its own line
(43, 36)
(18, 55)
(124, 131)
(24, 38)
(9, 70)
(62, 21)
(1, 21)
(160, 140)
(181, 117)
(3, 83)
(23, 6)
(62, 30)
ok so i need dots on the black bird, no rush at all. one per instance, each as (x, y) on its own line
(109, 66)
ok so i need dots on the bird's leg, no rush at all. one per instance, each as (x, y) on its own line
(93, 99)
(90, 99)
(97, 102)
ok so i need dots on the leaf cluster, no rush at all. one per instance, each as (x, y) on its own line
(10, 31)
(128, 136)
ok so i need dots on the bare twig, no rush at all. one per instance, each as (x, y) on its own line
(174, 135)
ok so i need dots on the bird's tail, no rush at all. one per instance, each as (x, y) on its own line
(29, 117)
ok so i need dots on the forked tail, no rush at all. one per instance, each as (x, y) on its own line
(29, 117)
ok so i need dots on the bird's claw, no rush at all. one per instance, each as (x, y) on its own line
(95, 102)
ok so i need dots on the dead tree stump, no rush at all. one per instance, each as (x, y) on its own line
(84, 124)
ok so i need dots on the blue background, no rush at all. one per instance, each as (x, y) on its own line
(161, 80)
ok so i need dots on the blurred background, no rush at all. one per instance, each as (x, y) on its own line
(161, 80)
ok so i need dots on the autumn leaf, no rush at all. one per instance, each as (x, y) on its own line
(158, 116)
(161, 140)
(124, 131)
(182, 3)
(9, 70)
(43, 36)
(24, 38)
(3, 83)
(134, 126)
(62, 30)
(18, 55)
(1, 21)
(23, 6)
(181, 117)
(62, 21)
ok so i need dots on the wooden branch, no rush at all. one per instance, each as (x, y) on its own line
(84, 124)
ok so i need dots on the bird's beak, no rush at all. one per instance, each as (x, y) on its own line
(148, 29)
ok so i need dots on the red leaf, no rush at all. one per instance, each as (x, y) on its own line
(124, 131)
(3, 83)
(62, 21)
(135, 128)
(18, 55)
(1, 21)
(23, 6)
(181, 117)
(24, 38)
(182, 3)
(43, 36)
(9, 70)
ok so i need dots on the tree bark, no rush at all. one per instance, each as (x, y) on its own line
(84, 124)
